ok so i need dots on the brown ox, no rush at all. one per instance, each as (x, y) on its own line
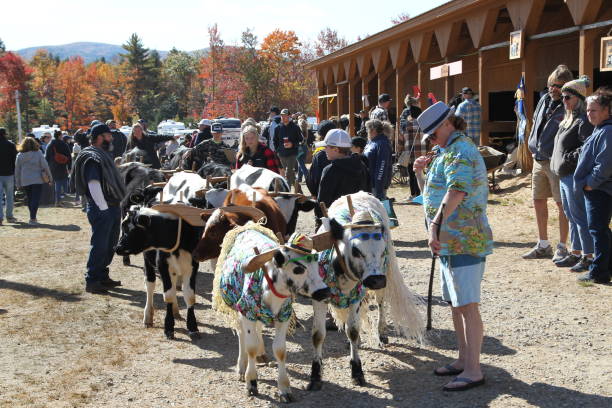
(223, 220)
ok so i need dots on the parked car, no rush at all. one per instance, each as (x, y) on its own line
(169, 127)
(231, 131)
(38, 132)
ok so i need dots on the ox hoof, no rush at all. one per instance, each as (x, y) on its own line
(384, 339)
(241, 377)
(359, 380)
(194, 335)
(252, 389)
(178, 316)
(314, 385)
(170, 336)
(148, 325)
(126, 261)
(287, 397)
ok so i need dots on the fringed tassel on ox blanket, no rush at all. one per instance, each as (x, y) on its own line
(236, 251)
(404, 305)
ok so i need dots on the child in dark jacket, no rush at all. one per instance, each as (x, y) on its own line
(346, 174)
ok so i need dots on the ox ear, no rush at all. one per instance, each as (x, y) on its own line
(306, 205)
(143, 220)
(279, 258)
(337, 229)
(136, 198)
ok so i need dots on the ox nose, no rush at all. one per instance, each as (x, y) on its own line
(321, 294)
(375, 282)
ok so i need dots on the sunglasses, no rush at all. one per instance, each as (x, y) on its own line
(376, 236)
(555, 86)
(307, 258)
(567, 97)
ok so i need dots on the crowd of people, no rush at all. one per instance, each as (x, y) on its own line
(571, 143)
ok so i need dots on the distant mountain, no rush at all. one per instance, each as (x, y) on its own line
(90, 51)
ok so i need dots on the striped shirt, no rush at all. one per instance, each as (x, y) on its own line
(470, 110)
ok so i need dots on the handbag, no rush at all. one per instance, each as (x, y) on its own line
(388, 204)
(59, 158)
(45, 176)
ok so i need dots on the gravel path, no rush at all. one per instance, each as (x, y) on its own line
(546, 338)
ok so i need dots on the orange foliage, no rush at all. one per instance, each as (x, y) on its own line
(75, 94)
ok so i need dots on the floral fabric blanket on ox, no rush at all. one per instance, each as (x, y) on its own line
(240, 291)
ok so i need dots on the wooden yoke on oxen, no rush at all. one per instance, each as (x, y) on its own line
(191, 215)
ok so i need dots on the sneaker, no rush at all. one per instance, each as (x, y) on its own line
(95, 287)
(588, 278)
(539, 253)
(568, 261)
(560, 254)
(11, 219)
(109, 283)
(583, 265)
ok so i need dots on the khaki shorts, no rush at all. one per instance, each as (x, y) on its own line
(544, 182)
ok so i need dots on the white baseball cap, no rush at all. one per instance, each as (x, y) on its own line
(205, 122)
(336, 138)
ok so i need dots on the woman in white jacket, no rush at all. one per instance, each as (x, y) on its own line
(31, 171)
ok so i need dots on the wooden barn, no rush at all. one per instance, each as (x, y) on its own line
(469, 43)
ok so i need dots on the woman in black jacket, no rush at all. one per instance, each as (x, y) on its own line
(146, 143)
(59, 157)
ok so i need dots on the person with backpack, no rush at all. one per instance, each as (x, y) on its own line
(58, 156)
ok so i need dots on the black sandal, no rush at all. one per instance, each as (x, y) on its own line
(450, 370)
(468, 384)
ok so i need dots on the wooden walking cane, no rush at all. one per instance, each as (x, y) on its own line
(431, 273)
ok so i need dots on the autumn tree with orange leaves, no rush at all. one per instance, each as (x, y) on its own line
(75, 95)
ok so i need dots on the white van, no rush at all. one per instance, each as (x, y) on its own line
(169, 127)
(42, 129)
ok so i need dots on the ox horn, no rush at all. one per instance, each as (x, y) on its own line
(280, 237)
(349, 202)
(259, 260)
(322, 241)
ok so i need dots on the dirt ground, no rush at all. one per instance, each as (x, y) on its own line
(547, 339)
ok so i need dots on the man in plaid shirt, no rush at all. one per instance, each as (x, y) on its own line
(470, 110)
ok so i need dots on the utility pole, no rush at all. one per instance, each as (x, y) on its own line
(18, 116)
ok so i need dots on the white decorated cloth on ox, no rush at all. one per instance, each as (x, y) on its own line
(404, 305)
(233, 290)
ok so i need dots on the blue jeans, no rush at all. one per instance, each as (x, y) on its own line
(599, 212)
(7, 186)
(61, 186)
(33, 192)
(104, 237)
(575, 211)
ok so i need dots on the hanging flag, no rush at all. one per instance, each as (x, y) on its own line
(519, 108)
(416, 91)
(431, 98)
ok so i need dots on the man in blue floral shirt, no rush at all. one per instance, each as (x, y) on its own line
(455, 190)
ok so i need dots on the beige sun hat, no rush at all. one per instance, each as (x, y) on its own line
(300, 243)
(362, 219)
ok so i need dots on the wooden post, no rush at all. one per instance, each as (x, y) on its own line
(276, 186)
(182, 196)
(351, 108)
(484, 100)
(254, 198)
(280, 237)
(208, 182)
(587, 52)
(161, 196)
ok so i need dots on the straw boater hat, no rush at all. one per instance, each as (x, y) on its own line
(362, 219)
(299, 243)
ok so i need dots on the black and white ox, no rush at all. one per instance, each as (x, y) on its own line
(285, 273)
(170, 241)
(289, 204)
(366, 257)
(189, 188)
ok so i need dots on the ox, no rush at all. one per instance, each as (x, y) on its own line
(223, 220)
(171, 241)
(289, 204)
(256, 290)
(363, 259)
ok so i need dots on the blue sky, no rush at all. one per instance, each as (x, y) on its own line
(183, 23)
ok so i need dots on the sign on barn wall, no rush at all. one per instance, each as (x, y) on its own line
(516, 45)
(606, 54)
(445, 70)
